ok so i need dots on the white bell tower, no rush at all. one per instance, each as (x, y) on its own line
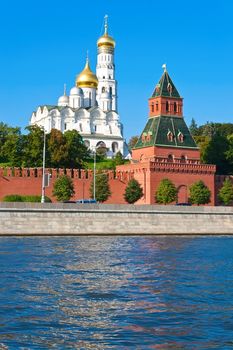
(105, 71)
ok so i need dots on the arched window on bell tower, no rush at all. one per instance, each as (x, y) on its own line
(152, 107)
(175, 107)
(167, 106)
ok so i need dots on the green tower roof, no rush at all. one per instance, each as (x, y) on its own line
(165, 87)
(166, 131)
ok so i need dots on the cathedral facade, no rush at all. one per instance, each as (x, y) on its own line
(91, 106)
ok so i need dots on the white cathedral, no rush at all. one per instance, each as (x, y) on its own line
(91, 107)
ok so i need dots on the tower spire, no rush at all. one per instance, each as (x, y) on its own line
(106, 24)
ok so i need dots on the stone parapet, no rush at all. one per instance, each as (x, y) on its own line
(99, 219)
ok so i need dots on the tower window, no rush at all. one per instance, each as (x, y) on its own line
(175, 107)
(157, 106)
(103, 77)
(110, 77)
(110, 91)
(167, 106)
(80, 127)
(152, 108)
(170, 158)
(103, 89)
(65, 126)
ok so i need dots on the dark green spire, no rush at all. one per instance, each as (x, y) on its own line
(165, 87)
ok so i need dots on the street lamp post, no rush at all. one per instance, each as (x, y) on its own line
(43, 171)
(94, 172)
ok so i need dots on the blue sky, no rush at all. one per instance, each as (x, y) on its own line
(44, 43)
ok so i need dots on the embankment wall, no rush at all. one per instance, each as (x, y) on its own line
(73, 219)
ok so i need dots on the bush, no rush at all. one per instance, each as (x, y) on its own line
(133, 192)
(102, 189)
(19, 198)
(35, 199)
(225, 194)
(13, 198)
(199, 193)
(63, 188)
(166, 192)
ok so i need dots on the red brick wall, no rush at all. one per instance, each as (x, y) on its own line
(27, 184)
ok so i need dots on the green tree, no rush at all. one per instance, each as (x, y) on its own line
(193, 128)
(132, 142)
(166, 192)
(77, 152)
(63, 188)
(12, 148)
(199, 193)
(57, 149)
(33, 147)
(225, 194)
(119, 160)
(133, 191)
(215, 153)
(102, 189)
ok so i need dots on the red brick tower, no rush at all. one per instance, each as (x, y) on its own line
(166, 149)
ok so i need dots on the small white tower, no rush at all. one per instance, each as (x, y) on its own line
(105, 70)
(88, 82)
(76, 97)
(64, 99)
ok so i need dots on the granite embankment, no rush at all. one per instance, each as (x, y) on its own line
(99, 219)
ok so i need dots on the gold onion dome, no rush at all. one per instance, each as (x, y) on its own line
(106, 40)
(87, 78)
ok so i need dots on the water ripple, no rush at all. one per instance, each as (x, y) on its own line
(116, 293)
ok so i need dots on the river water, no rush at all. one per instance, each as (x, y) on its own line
(116, 293)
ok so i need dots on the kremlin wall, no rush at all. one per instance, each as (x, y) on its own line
(165, 149)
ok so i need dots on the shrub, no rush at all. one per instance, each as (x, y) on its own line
(166, 192)
(133, 192)
(225, 194)
(13, 198)
(20, 198)
(63, 188)
(199, 193)
(102, 189)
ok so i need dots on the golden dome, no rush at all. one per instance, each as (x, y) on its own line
(87, 78)
(106, 40)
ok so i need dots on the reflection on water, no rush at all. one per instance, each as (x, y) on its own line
(116, 293)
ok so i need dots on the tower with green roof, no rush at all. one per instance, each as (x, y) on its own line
(166, 134)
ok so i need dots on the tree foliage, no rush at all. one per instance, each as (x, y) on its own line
(225, 194)
(199, 193)
(132, 142)
(63, 188)
(102, 189)
(166, 192)
(133, 191)
(119, 159)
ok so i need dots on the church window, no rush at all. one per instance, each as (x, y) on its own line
(175, 107)
(157, 106)
(103, 77)
(110, 77)
(110, 91)
(167, 106)
(110, 129)
(95, 127)
(81, 127)
(103, 89)
(152, 107)
(65, 126)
